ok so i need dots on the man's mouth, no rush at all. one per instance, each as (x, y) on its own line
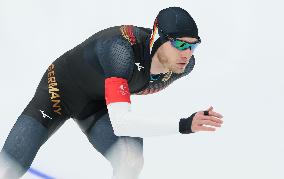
(181, 64)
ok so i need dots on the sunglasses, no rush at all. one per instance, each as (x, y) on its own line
(183, 45)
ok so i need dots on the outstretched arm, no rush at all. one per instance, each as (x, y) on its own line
(125, 122)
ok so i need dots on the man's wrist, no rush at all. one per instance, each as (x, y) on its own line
(185, 125)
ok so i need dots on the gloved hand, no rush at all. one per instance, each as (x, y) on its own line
(201, 121)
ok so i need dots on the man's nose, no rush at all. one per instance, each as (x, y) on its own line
(186, 53)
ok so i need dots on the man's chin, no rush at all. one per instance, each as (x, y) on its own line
(179, 70)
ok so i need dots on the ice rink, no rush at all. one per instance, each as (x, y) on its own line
(239, 71)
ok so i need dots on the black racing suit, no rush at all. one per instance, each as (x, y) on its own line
(74, 84)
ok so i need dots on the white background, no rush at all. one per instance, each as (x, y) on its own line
(239, 71)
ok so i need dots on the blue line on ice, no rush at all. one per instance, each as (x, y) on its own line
(39, 174)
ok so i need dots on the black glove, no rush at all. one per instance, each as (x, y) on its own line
(185, 124)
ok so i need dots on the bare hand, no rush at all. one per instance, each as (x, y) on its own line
(201, 122)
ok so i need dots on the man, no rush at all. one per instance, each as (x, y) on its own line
(92, 84)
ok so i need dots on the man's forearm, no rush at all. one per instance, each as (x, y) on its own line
(125, 122)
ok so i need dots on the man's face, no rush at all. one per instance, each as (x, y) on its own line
(174, 59)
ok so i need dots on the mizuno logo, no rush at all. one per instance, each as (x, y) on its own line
(139, 67)
(44, 115)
